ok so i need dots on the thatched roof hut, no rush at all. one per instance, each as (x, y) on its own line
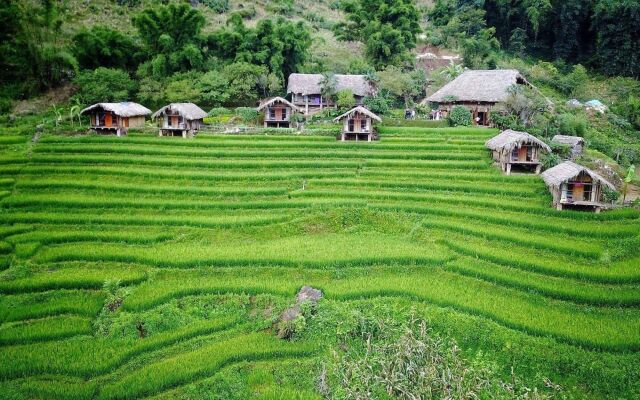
(358, 124)
(277, 112)
(572, 184)
(188, 111)
(123, 109)
(517, 148)
(575, 143)
(489, 86)
(275, 100)
(556, 176)
(116, 117)
(510, 139)
(180, 119)
(306, 89)
(306, 84)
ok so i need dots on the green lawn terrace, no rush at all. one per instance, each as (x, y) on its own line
(209, 240)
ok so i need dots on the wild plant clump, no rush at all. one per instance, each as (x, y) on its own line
(412, 362)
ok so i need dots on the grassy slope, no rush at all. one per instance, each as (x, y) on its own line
(210, 239)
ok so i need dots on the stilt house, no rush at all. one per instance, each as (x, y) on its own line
(517, 148)
(575, 186)
(180, 119)
(115, 118)
(478, 90)
(306, 90)
(277, 112)
(576, 144)
(358, 124)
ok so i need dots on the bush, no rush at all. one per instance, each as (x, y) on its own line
(573, 125)
(181, 89)
(219, 6)
(345, 99)
(213, 88)
(247, 114)
(104, 84)
(219, 112)
(377, 104)
(550, 160)
(460, 116)
(610, 195)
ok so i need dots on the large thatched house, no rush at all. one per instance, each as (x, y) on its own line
(358, 124)
(517, 148)
(306, 90)
(115, 117)
(478, 90)
(575, 186)
(277, 112)
(576, 144)
(179, 119)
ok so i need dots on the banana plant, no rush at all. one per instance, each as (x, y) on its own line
(631, 173)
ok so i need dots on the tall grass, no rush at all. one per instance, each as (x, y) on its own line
(44, 329)
(37, 305)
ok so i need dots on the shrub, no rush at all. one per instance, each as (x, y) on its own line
(219, 6)
(610, 195)
(345, 99)
(219, 112)
(460, 116)
(550, 160)
(247, 114)
(377, 104)
(573, 125)
(104, 84)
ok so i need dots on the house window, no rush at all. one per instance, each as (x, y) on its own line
(588, 189)
(363, 125)
(351, 125)
(514, 154)
(272, 113)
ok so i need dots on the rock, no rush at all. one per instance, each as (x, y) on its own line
(39, 128)
(307, 293)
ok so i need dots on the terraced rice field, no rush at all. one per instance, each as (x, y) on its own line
(156, 267)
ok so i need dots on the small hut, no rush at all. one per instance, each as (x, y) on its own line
(277, 112)
(517, 148)
(115, 117)
(576, 144)
(180, 119)
(575, 186)
(358, 124)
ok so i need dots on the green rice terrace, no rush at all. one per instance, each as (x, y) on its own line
(146, 267)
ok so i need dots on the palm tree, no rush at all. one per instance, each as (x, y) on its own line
(328, 86)
(452, 71)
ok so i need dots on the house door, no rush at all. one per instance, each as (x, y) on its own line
(174, 120)
(482, 118)
(126, 122)
(107, 119)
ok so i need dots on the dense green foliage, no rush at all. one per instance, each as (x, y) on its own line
(388, 29)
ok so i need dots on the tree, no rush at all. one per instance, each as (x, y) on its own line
(328, 86)
(171, 35)
(617, 24)
(452, 71)
(34, 55)
(103, 85)
(388, 28)
(404, 85)
(213, 88)
(104, 47)
(281, 45)
(523, 103)
(181, 88)
(242, 81)
(631, 172)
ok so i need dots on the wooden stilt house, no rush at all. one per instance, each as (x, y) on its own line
(306, 90)
(358, 124)
(277, 112)
(180, 119)
(115, 118)
(575, 186)
(517, 148)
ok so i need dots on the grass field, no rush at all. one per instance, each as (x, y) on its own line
(156, 267)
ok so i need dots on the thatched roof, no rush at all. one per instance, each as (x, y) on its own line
(510, 139)
(188, 111)
(556, 176)
(358, 110)
(305, 84)
(568, 140)
(479, 85)
(124, 109)
(267, 102)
